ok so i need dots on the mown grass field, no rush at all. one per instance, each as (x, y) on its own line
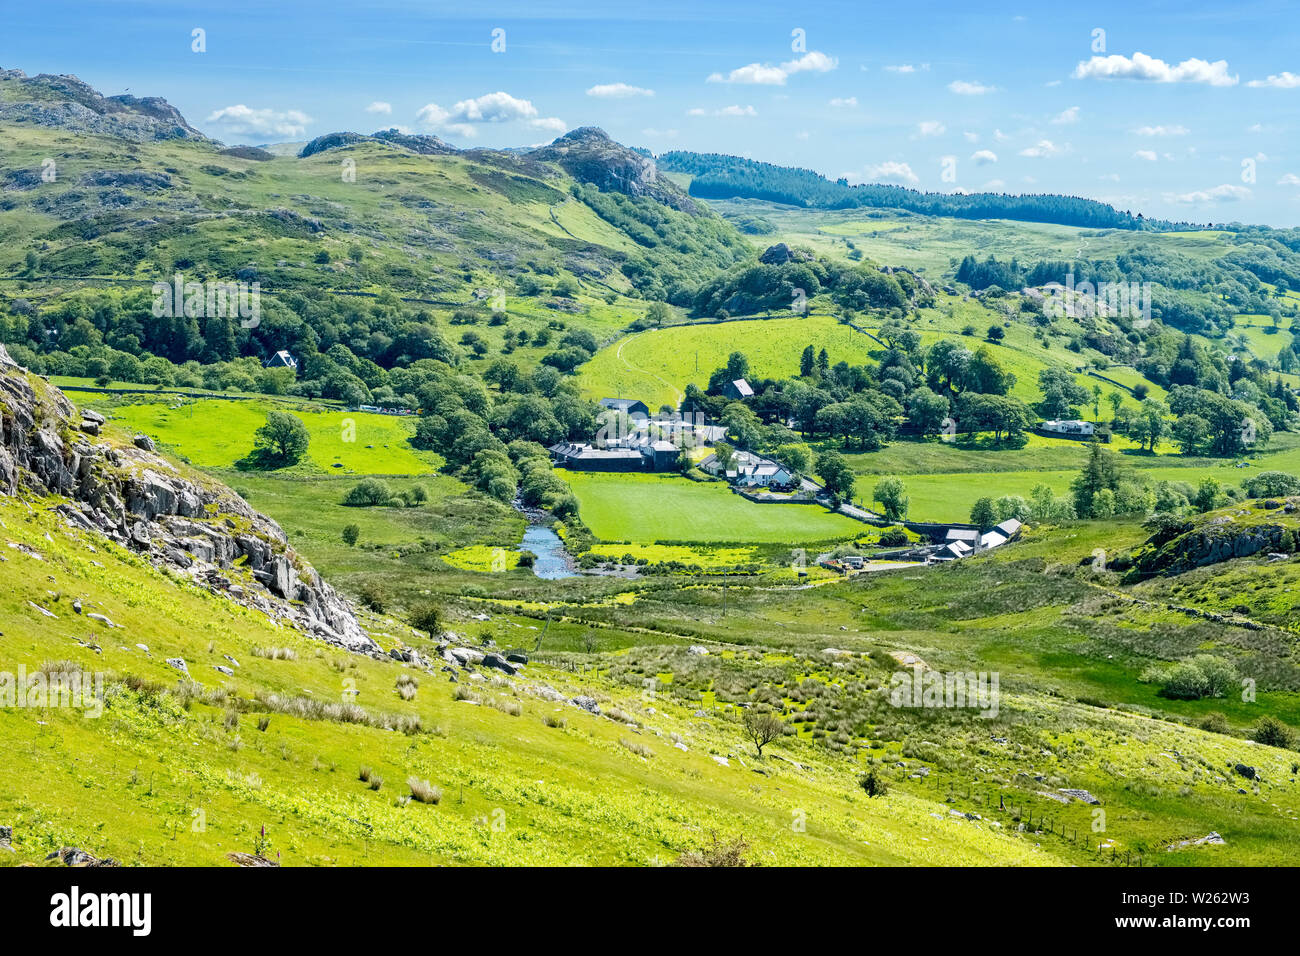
(657, 364)
(645, 509)
(944, 479)
(215, 433)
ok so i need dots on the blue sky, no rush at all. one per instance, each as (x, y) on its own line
(1179, 110)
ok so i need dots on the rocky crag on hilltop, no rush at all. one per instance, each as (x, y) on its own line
(590, 156)
(65, 102)
(135, 497)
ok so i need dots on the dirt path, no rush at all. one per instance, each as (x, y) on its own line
(680, 395)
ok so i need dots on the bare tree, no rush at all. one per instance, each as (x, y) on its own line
(762, 728)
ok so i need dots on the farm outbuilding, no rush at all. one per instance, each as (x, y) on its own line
(628, 406)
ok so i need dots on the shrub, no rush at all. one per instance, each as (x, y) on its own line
(1203, 676)
(367, 493)
(428, 618)
(351, 534)
(873, 783)
(407, 685)
(373, 597)
(717, 854)
(1273, 733)
(555, 720)
(1215, 722)
(638, 748)
(1271, 484)
(423, 791)
(893, 538)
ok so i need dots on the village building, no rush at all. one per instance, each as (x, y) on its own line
(970, 537)
(748, 470)
(1068, 429)
(281, 359)
(739, 389)
(627, 406)
(658, 455)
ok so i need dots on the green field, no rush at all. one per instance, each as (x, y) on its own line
(939, 495)
(656, 365)
(214, 433)
(644, 509)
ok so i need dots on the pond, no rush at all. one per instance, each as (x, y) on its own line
(552, 560)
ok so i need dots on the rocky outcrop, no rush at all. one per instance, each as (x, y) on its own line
(590, 156)
(781, 253)
(137, 498)
(65, 102)
(417, 143)
(1187, 546)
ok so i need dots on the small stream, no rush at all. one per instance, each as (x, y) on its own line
(553, 561)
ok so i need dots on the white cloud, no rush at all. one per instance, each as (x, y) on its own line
(618, 91)
(499, 107)
(845, 102)
(993, 184)
(965, 88)
(1042, 149)
(1290, 179)
(379, 106)
(890, 171)
(930, 128)
(983, 157)
(1000, 136)
(768, 75)
(1065, 117)
(245, 119)
(550, 124)
(1174, 130)
(1148, 154)
(1282, 81)
(907, 68)
(971, 137)
(1109, 178)
(724, 111)
(1149, 68)
(1224, 193)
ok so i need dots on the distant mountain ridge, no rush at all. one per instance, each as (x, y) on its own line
(721, 176)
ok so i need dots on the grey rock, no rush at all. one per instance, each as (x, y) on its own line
(1082, 795)
(179, 664)
(500, 663)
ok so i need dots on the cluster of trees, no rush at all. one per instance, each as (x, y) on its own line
(1188, 294)
(1203, 423)
(496, 440)
(770, 287)
(718, 176)
(863, 407)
